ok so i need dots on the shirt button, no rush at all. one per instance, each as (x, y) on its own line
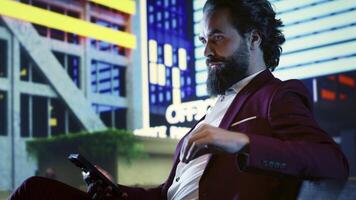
(177, 179)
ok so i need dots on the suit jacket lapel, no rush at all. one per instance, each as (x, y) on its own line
(242, 97)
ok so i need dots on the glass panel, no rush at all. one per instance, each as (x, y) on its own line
(105, 113)
(25, 115)
(40, 116)
(57, 117)
(25, 68)
(73, 69)
(120, 118)
(74, 124)
(3, 58)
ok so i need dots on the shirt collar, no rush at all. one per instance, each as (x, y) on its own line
(237, 87)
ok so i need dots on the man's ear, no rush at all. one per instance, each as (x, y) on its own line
(254, 40)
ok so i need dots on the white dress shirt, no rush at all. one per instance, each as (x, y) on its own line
(185, 185)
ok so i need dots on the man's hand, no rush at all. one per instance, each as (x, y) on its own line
(210, 139)
(96, 189)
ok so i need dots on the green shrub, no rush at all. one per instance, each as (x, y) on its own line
(111, 142)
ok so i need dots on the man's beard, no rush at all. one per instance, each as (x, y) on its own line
(233, 69)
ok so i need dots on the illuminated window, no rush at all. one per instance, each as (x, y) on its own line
(151, 19)
(160, 97)
(182, 59)
(108, 78)
(199, 52)
(73, 64)
(152, 50)
(3, 113)
(159, 54)
(174, 23)
(201, 90)
(168, 55)
(161, 74)
(189, 80)
(176, 96)
(201, 77)
(3, 58)
(200, 65)
(153, 98)
(166, 25)
(153, 88)
(159, 16)
(168, 77)
(198, 5)
(182, 81)
(153, 73)
(176, 77)
(168, 96)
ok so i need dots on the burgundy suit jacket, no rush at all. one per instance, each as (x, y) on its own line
(286, 147)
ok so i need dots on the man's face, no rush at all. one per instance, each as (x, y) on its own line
(226, 52)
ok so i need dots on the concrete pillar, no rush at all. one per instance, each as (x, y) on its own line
(6, 155)
(137, 73)
(23, 165)
(85, 66)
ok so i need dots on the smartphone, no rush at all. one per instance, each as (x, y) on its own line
(94, 173)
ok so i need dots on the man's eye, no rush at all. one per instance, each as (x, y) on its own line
(218, 37)
(203, 41)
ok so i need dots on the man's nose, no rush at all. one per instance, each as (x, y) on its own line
(209, 50)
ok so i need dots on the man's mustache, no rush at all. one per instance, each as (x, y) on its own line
(210, 60)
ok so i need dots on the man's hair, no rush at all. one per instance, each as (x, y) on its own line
(258, 15)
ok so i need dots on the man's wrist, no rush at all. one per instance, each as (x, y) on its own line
(243, 153)
(244, 142)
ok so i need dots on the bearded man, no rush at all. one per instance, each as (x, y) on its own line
(259, 141)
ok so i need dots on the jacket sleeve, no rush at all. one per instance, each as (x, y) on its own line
(297, 146)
